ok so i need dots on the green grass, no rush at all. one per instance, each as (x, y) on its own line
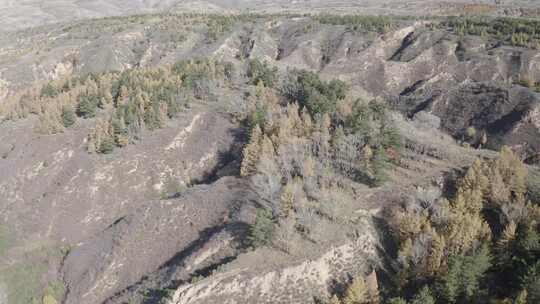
(26, 281)
(23, 282)
(56, 290)
(5, 240)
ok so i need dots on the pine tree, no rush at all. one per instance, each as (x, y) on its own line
(123, 96)
(436, 253)
(499, 192)
(462, 280)
(262, 230)
(512, 170)
(521, 298)
(380, 164)
(372, 285)
(287, 199)
(334, 300)
(307, 122)
(68, 116)
(357, 292)
(473, 187)
(367, 155)
(87, 106)
(397, 301)
(508, 235)
(251, 153)
(424, 297)
(323, 138)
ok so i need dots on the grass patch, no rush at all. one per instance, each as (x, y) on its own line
(23, 282)
(26, 281)
(5, 240)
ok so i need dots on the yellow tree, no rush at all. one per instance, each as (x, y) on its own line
(251, 153)
(508, 235)
(287, 199)
(334, 300)
(357, 292)
(436, 253)
(512, 170)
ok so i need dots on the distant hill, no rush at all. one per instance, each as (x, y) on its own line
(23, 14)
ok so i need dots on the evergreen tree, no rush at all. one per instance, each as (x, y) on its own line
(380, 164)
(87, 106)
(423, 297)
(49, 90)
(397, 301)
(262, 230)
(106, 146)
(464, 275)
(68, 116)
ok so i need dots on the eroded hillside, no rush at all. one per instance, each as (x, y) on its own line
(259, 158)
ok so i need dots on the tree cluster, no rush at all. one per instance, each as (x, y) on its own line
(300, 164)
(124, 103)
(481, 245)
(512, 31)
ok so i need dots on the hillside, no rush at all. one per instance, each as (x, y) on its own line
(269, 158)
